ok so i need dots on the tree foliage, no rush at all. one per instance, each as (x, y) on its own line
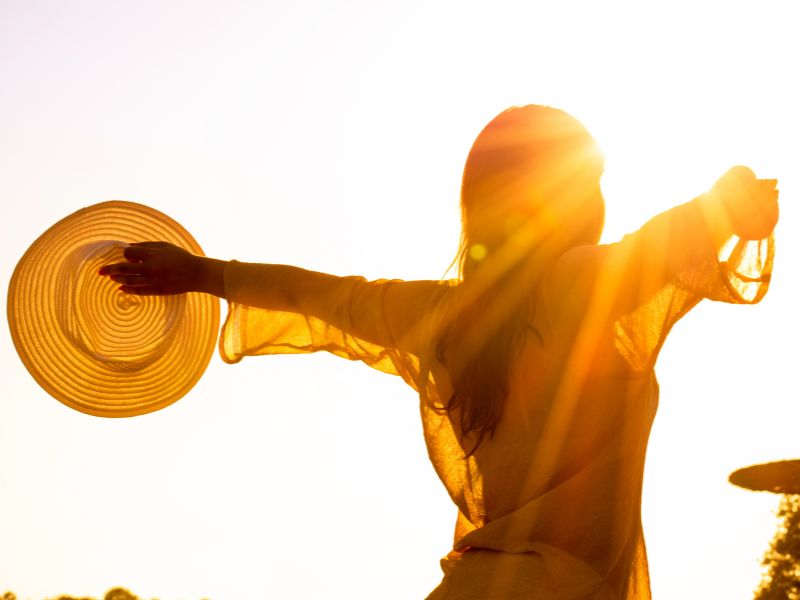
(117, 593)
(781, 579)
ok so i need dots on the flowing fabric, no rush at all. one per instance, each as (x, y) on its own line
(549, 506)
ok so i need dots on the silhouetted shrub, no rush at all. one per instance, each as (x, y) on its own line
(781, 580)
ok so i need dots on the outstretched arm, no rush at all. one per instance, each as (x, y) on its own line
(383, 312)
(624, 275)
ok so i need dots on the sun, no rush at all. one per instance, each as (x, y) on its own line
(653, 164)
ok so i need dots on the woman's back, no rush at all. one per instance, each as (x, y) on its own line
(559, 481)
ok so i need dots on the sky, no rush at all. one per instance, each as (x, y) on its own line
(332, 136)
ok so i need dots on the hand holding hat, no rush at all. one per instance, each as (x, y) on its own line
(92, 346)
(163, 269)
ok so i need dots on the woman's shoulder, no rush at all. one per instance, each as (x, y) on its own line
(570, 279)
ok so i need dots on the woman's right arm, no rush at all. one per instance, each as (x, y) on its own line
(388, 313)
(384, 312)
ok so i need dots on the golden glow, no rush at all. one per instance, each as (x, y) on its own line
(324, 139)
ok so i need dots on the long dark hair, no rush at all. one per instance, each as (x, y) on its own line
(530, 191)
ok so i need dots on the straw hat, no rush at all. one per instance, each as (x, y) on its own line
(97, 349)
(779, 477)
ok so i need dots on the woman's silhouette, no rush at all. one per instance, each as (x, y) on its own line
(535, 367)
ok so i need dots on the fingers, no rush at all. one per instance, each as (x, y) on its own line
(740, 184)
(751, 204)
(131, 280)
(129, 268)
(154, 245)
(137, 252)
(139, 291)
(152, 268)
(769, 187)
(143, 250)
(745, 178)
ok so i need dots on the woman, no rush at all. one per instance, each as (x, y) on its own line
(535, 367)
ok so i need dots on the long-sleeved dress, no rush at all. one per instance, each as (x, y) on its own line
(549, 507)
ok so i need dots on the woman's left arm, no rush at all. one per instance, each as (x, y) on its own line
(625, 275)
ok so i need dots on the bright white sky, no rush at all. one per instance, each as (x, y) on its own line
(332, 136)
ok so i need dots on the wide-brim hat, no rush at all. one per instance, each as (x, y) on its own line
(779, 477)
(88, 344)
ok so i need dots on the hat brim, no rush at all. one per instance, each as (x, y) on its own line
(779, 477)
(91, 346)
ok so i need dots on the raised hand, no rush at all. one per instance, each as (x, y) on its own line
(751, 204)
(158, 268)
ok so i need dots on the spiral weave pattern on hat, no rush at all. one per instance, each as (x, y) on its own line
(97, 349)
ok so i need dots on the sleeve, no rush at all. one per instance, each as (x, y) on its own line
(278, 309)
(629, 294)
(738, 273)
